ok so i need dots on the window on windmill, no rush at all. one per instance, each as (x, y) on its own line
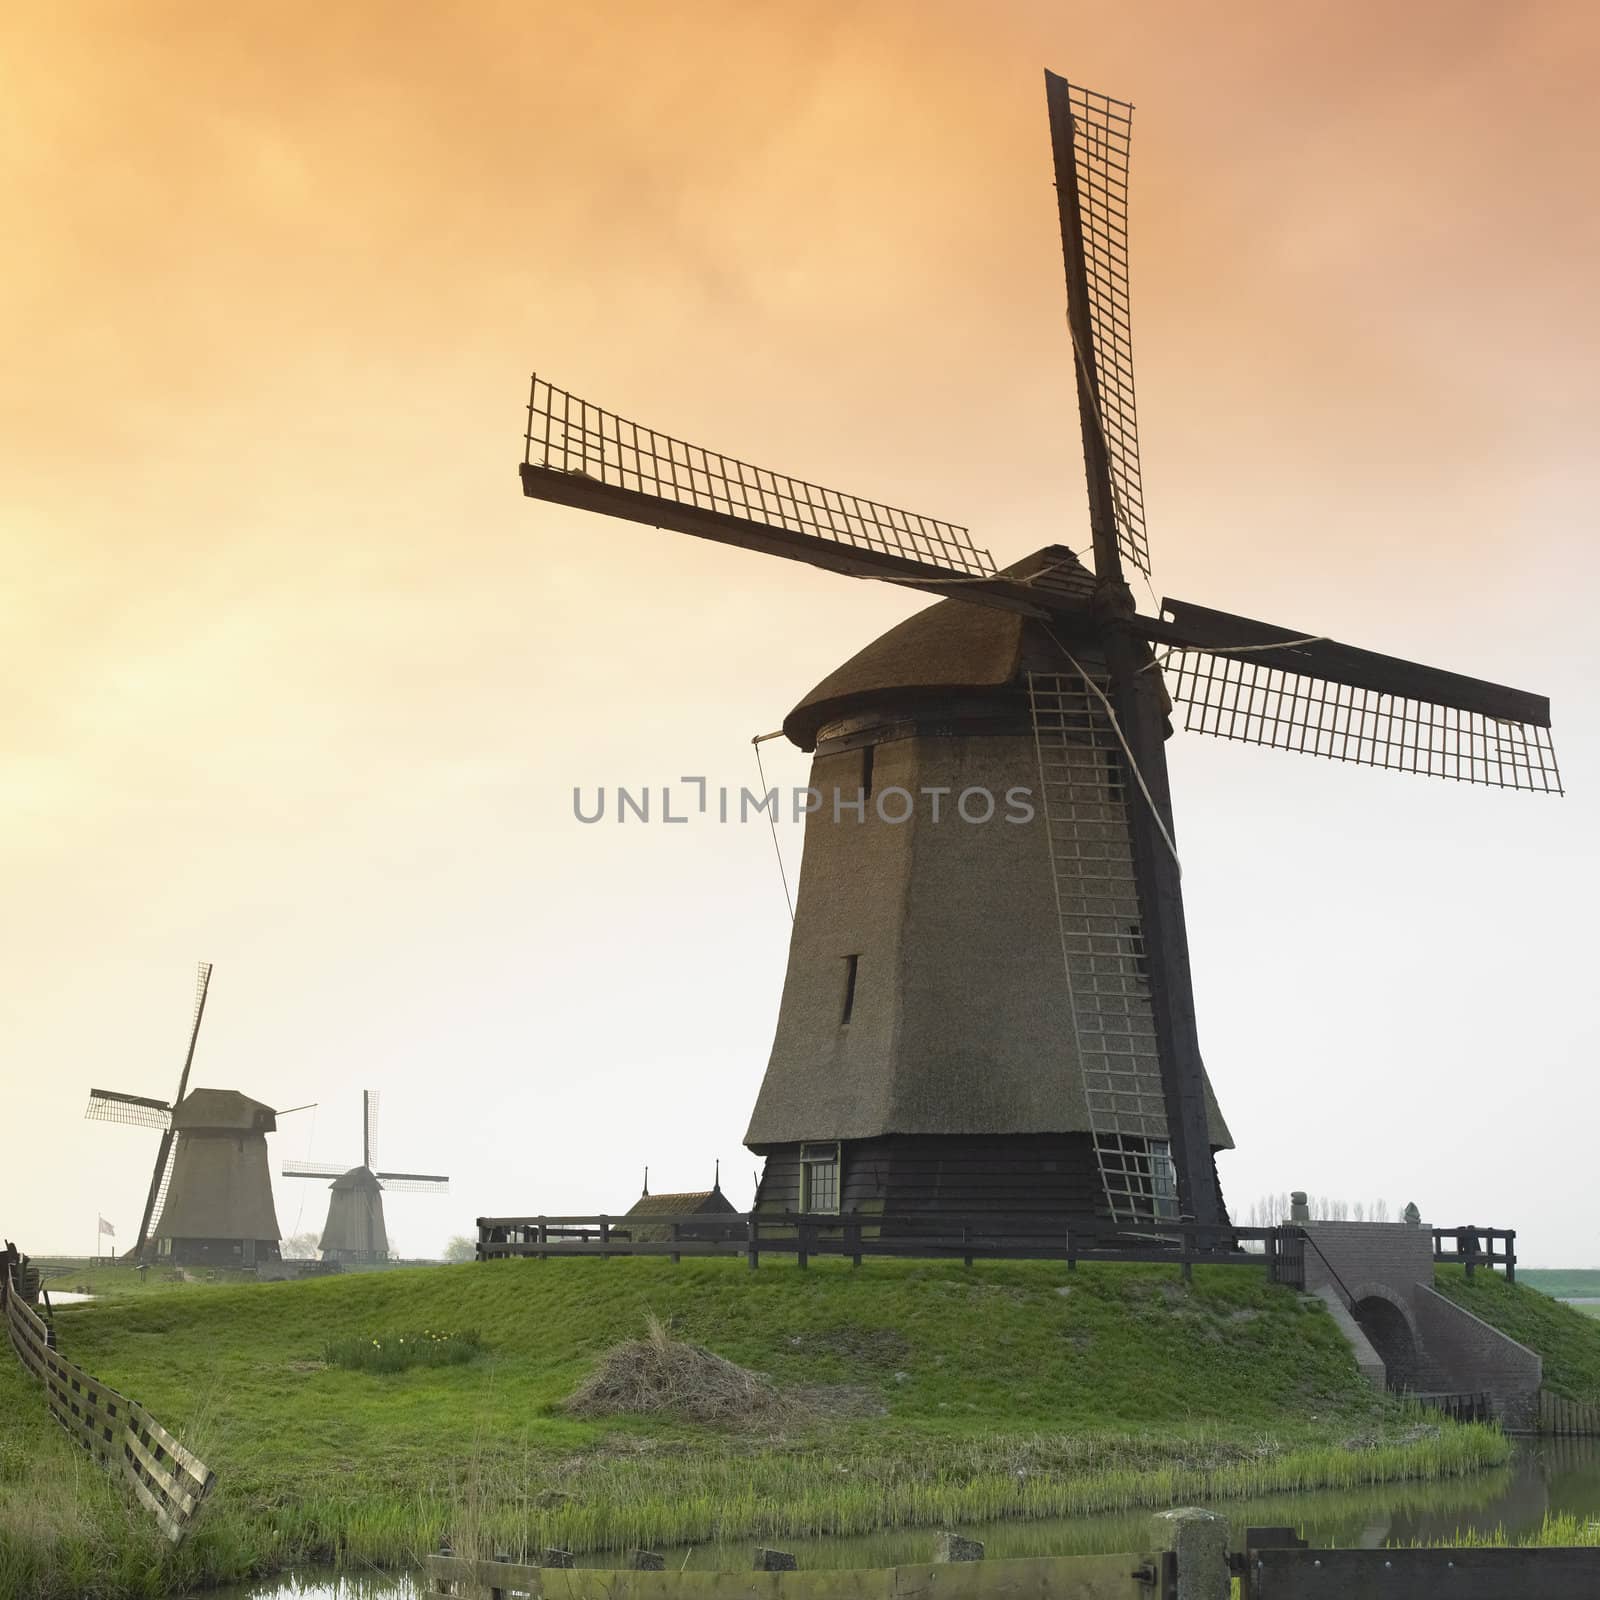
(1163, 1179)
(850, 965)
(819, 1177)
(1114, 780)
(866, 770)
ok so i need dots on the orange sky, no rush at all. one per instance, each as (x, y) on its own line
(296, 681)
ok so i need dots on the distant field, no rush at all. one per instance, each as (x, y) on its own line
(1564, 1283)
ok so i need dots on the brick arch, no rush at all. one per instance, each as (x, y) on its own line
(1391, 1329)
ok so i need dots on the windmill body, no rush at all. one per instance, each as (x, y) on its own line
(209, 1201)
(1001, 1017)
(355, 1232)
(925, 1054)
(219, 1209)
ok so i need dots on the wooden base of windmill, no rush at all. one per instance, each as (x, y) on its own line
(1012, 1186)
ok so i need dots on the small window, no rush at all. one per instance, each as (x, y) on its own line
(819, 1177)
(1163, 1179)
(866, 771)
(850, 964)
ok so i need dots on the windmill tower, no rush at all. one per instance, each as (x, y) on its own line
(355, 1229)
(1002, 1017)
(210, 1196)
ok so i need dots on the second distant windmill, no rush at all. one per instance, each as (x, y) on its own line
(355, 1230)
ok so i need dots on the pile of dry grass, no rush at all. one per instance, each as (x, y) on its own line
(661, 1375)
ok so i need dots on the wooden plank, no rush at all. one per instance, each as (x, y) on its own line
(1199, 627)
(1492, 1574)
(1104, 1577)
(202, 1475)
(856, 561)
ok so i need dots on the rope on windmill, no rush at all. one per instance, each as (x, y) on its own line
(772, 817)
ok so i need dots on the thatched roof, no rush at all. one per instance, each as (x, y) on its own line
(948, 648)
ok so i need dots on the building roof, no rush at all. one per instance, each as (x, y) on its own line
(356, 1178)
(949, 647)
(680, 1205)
(222, 1111)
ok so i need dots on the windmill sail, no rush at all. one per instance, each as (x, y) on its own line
(137, 1110)
(413, 1182)
(159, 1203)
(1261, 684)
(579, 454)
(312, 1169)
(1091, 134)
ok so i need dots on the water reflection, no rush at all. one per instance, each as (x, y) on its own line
(1552, 1476)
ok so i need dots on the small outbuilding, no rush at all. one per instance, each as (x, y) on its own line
(709, 1203)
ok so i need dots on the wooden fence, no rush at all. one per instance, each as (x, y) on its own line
(1279, 1251)
(1273, 1565)
(169, 1481)
(1561, 1416)
(921, 1235)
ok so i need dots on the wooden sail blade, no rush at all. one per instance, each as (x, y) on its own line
(1289, 690)
(1090, 135)
(137, 1110)
(581, 455)
(158, 1200)
(311, 1169)
(413, 1182)
(369, 1127)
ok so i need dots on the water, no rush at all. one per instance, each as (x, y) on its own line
(1546, 1476)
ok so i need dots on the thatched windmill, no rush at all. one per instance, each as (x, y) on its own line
(1000, 1018)
(210, 1196)
(355, 1230)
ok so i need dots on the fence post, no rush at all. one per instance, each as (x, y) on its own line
(852, 1238)
(1511, 1255)
(544, 1238)
(966, 1238)
(802, 1242)
(1187, 1246)
(752, 1249)
(675, 1256)
(1199, 1540)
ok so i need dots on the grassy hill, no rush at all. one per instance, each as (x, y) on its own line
(916, 1393)
(1568, 1341)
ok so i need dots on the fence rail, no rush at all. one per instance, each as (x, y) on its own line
(920, 1234)
(1463, 1245)
(168, 1480)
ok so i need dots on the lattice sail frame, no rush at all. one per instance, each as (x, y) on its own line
(1102, 134)
(1083, 796)
(1237, 697)
(568, 434)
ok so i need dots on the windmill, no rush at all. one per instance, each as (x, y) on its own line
(1051, 658)
(210, 1195)
(355, 1229)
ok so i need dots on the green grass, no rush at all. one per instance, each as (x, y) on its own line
(1006, 1390)
(1564, 1283)
(1568, 1341)
(390, 1352)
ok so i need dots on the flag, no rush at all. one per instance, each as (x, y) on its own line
(106, 1228)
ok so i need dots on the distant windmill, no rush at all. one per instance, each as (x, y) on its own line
(210, 1196)
(355, 1229)
(1003, 1019)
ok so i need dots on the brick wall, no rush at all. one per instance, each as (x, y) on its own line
(1475, 1356)
(1392, 1254)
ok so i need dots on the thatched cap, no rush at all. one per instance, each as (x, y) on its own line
(356, 1178)
(222, 1111)
(952, 647)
